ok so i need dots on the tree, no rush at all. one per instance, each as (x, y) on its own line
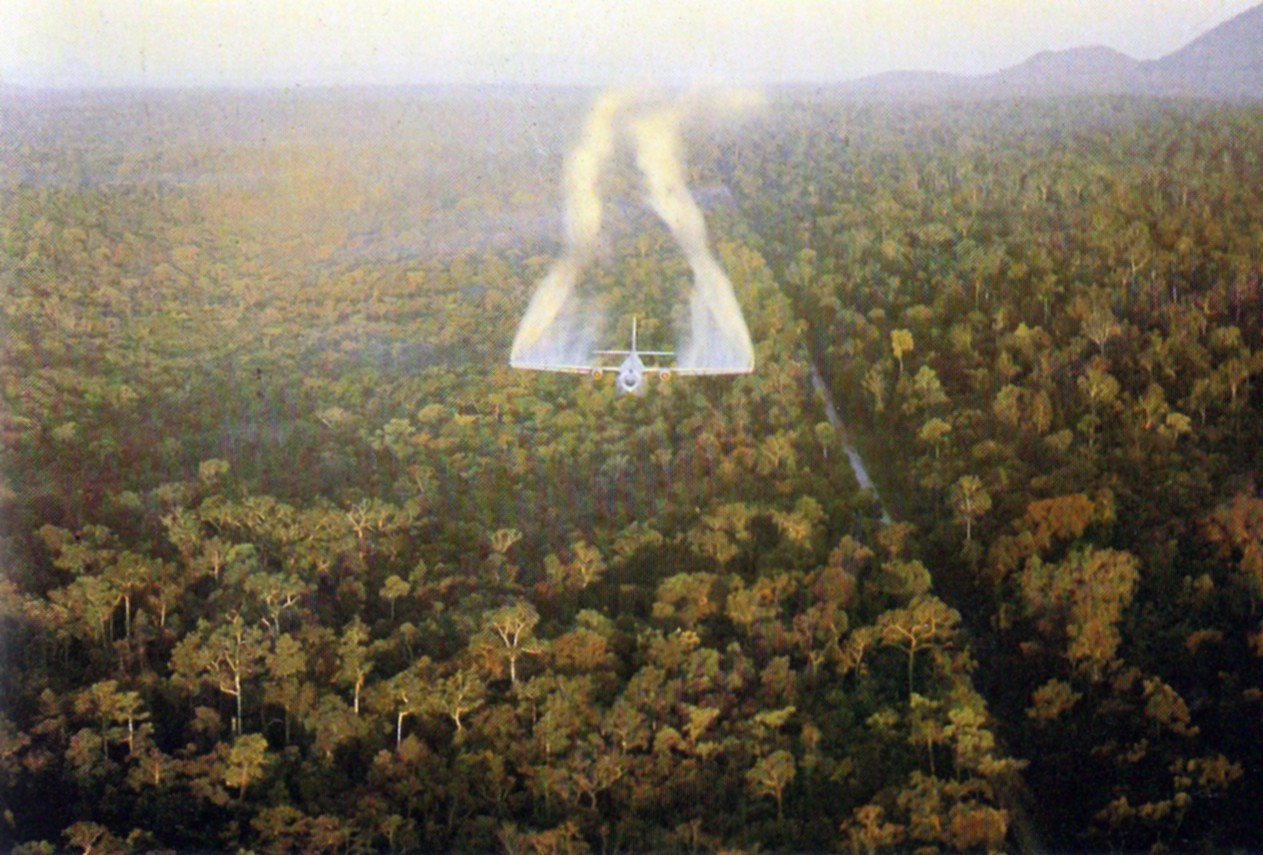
(459, 694)
(584, 568)
(776, 455)
(924, 392)
(1236, 530)
(867, 831)
(875, 384)
(228, 656)
(925, 622)
(119, 712)
(410, 694)
(904, 580)
(934, 433)
(333, 724)
(129, 575)
(286, 668)
(901, 343)
(580, 650)
(512, 626)
(274, 594)
(594, 768)
(1009, 405)
(826, 437)
(1083, 596)
(970, 501)
(925, 726)
(1051, 700)
(246, 762)
(93, 839)
(392, 589)
(87, 605)
(770, 776)
(1100, 326)
(688, 598)
(502, 540)
(354, 659)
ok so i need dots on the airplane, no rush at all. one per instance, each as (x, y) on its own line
(632, 371)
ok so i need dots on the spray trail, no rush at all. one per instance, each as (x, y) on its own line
(718, 338)
(559, 328)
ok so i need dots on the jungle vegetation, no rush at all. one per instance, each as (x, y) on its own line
(294, 562)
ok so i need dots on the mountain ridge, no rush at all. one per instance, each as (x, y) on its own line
(1225, 62)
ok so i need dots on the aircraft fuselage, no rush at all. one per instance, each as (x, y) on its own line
(631, 373)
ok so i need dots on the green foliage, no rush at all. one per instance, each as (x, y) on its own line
(282, 524)
(1092, 318)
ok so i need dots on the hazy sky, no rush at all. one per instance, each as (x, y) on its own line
(287, 42)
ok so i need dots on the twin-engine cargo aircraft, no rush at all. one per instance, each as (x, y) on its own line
(631, 372)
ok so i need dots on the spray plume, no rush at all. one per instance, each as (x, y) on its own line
(558, 329)
(718, 337)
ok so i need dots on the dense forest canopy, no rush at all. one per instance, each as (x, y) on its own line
(294, 562)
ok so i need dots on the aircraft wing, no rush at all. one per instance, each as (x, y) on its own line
(560, 369)
(699, 372)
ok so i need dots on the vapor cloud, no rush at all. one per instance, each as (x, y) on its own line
(559, 328)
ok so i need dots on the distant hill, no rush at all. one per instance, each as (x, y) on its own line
(1225, 62)
(1089, 69)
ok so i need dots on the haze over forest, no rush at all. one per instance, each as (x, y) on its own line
(287, 43)
(293, 561)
